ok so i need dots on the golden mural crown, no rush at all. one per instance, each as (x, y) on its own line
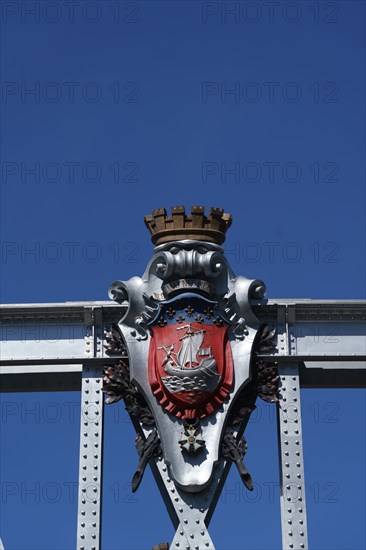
(196, 225)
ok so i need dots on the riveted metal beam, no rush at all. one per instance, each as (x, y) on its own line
(91, 443)
(292, 484)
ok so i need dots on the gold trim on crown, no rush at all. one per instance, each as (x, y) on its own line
(196, 225)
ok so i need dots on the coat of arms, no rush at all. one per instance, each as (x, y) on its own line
(190, 385)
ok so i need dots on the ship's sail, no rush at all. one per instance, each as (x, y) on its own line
(191, 343)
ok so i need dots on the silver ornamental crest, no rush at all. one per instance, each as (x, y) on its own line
(191, 381)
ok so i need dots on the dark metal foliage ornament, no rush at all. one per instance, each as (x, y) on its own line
(146, 449)
(193, 374)
(234, 450)
(117, 386)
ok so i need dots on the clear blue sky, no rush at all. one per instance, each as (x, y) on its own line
(142, 105)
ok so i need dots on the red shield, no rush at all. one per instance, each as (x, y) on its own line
(190, 368)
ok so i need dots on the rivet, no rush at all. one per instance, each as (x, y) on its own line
(186, 521)
(301, 521)
(287, 464)
(177, 544)
(192, 536)
(176, 499)
(290, 533)
(202, 532)
(191, 506)
(302, 533)
(181, 532)
(289, 521)
(289, 510)
(181, 509)
(82, 524)
(287, 475)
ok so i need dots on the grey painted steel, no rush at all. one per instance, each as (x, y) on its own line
(91, 443)
(190, 511)
(327, 337)
(292, 483)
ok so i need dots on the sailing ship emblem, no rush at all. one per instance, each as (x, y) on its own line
(193, 367)
(190, 365)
